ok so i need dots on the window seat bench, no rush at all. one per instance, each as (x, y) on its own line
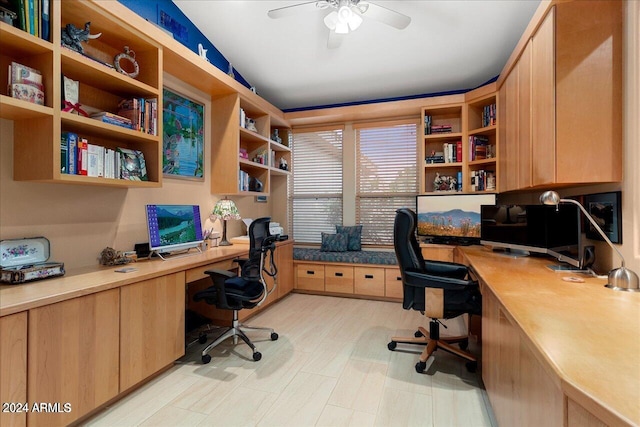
(366, 274)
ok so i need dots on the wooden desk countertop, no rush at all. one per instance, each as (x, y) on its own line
(585, 334)
(16, 298)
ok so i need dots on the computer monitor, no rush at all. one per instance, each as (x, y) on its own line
(451, 218)
(173, 228)
(551, 230)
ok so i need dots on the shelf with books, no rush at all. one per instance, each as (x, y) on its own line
(83, 124)
(438, 175)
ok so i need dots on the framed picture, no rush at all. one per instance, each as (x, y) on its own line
(182, 137)
(606, 210)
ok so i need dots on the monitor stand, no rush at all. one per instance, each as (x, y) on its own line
(175, 254)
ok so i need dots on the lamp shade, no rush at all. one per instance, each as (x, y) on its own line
(225, 209)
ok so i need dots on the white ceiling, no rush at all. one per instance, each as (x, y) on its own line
(449, 45)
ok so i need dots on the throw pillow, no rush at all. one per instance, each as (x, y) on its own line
(354, 232)
(334, 242)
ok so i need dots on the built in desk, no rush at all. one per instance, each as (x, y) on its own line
(556, 353)
(79, 341)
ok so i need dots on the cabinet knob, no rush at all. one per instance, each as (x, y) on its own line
(368, 276)
(310, 272)
(339, 274)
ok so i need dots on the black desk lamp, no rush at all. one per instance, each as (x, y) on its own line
(620, 279)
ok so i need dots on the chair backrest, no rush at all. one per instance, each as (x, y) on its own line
(409, 255)
(258, 232)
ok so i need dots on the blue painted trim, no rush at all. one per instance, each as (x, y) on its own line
(150, 10)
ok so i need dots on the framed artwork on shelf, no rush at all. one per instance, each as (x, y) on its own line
(606, 210)
(182, 137)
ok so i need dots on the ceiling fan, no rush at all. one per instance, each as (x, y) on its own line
(345, 16)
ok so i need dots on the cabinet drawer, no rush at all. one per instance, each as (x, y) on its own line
(198, 273)
(310, 277)
(338, 279)
(369, 281)
(392, 283)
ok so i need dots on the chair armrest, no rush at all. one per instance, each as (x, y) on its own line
(220, 274)
(448, 269)
(422, 280)
(241, 261)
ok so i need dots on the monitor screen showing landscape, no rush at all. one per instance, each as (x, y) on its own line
(173, 227)
(451, 218)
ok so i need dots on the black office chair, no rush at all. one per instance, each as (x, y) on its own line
(233, 292)
(440, 290)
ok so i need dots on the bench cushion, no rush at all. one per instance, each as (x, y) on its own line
(350, 257)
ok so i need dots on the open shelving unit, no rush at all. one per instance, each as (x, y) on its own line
(37, 129)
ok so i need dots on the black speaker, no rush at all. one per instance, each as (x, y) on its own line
(588, 256)
(255, 185)
(142, 250)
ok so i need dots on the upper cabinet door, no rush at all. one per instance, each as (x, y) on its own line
(543, 103)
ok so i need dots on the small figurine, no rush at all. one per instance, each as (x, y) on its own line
(72, 36)
(275, 137)
(283, 164)
(202, 52)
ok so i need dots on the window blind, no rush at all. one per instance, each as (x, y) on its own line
(386, 177)
(316, 193)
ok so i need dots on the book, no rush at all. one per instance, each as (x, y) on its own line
(19, 6)
(133, 166)
(45, 20)
(27, 93)
(31, 18)
(71, 139)
(64, 155)
(93, 160)
(20, 73)
(82, 157)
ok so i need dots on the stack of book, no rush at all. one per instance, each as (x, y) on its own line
(452, 152)
(143, 114)
(113, 119)
(478, 146)
(79, 157)
(440, 129)
(482, 180)
(25, 83)
(32, 16)
(243, 181)
(489, 115)
(427, 125)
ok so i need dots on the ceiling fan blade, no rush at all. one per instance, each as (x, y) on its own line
(335, 39)
(297, 8)
(386, 16)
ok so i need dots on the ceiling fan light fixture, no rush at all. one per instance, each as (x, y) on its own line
(331, 20)
(344, 14)
(342, 28)
(355, 21)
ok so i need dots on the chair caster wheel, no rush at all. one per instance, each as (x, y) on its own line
(274, 336)
(257, 356)
(464, 344)
(420, 367)
(418, 334)
(472, 366)
(392, 345)
(202, 338)
(206, 359)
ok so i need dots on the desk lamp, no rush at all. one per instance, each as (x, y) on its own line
(225, 210)
(620, 279)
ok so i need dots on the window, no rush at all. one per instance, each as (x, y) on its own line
(316, 193)
(386, 176)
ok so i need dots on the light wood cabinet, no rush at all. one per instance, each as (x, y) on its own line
(37, 129)
(338, 278)
(284, 262)
(310, 277)
(151, 327)
(13, 368)
(520, 390)
(73, 356)
(369, 281)
(393, 283)
(515, 126)
(436, 252)
(561, 102)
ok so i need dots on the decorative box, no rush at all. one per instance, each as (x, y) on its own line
(25, 260)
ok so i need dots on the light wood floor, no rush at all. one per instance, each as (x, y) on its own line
(330, 367)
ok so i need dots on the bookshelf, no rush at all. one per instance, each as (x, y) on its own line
(464, 125)
(241, 152)
(37, 129)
